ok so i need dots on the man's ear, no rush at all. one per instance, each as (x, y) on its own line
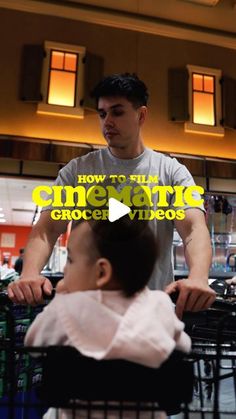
(142, 114)
(103, 272)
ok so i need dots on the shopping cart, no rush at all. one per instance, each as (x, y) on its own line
(60, 377)
(18, 371)
(115, 385)
(213, 334)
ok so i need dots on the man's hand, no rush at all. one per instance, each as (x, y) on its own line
(31, 286)
(193, 295)
(29, 290)
(231, 281)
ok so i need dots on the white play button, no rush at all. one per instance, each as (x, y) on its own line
(116, 209)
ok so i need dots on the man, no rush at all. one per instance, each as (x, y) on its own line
(122, 109)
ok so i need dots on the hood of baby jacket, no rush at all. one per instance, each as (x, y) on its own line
(146, 332)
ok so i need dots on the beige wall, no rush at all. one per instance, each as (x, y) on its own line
(148, 55)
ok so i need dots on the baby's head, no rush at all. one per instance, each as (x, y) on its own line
(110, 256)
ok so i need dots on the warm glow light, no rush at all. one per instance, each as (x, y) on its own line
(61, 88)
(61, 114)
(1, 215)
(70, 62)
(203, 99)
(197, 82)
(209, 84)
(203, 108)
(2, 220)
(57, 58)
(203, 83)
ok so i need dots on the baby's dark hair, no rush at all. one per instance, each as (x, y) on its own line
(125, 85)
(131, 248)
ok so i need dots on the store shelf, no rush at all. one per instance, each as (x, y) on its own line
(213, 274)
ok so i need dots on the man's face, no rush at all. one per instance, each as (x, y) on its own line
(79, 272)
(120, 121)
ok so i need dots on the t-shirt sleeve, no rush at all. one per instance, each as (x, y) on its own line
(180, 176)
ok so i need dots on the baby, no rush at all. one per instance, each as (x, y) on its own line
(103, 307)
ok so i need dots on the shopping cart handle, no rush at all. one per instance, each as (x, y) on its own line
(174, 296)
(49, 297)
(5, 300)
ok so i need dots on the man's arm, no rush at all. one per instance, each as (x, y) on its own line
(28, 289)
(194, 292)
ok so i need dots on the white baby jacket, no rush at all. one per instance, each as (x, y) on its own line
(108, 325)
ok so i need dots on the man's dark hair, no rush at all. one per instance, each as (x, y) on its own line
(131, 248)
(125, 85)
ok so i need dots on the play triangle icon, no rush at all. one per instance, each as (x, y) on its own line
(116, 209)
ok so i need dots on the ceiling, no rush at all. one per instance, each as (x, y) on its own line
(216, 15)
(16, 200)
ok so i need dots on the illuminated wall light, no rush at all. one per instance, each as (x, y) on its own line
(62, 84)
(62, 79)
(1, 215)
(203, 99)
(2, 220)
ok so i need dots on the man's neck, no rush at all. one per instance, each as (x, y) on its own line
(127, 152)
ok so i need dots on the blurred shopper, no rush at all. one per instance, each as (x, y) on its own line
(19, 262)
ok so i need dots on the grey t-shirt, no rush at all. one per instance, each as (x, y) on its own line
(169, 172)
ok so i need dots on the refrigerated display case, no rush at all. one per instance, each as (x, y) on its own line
(221, 222)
